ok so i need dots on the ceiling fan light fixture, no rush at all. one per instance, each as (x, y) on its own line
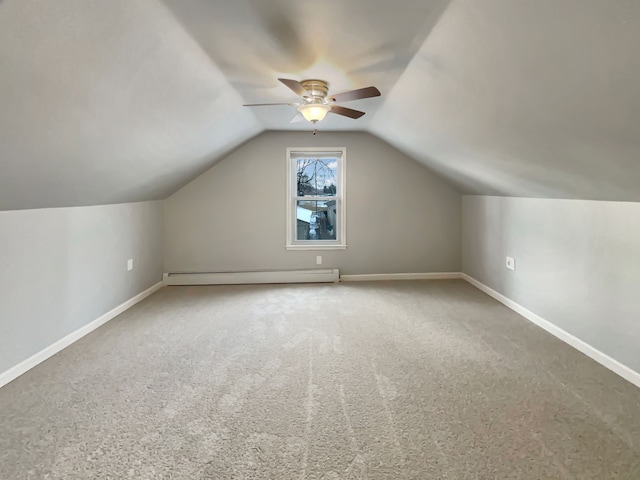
(314, 112)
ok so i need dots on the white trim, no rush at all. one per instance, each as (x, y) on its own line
(580, 345)
(26, 365)
(400, 276)
(316, 247)
(341, 228)
(318, 275)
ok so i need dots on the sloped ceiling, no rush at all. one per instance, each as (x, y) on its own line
(525, 98)
(350, 43)
(106, 102)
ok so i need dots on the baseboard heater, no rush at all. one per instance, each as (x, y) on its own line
(325, 275)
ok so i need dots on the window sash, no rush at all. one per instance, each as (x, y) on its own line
(322, 224)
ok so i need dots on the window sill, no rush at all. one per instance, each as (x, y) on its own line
(316, 247)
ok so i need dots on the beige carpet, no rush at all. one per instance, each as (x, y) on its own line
(398, 380)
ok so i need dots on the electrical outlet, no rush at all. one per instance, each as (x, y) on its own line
(129, 264)
(319, 260)
(511, 263)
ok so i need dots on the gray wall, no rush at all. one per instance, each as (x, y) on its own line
(62, 268)
(577, 264)
(400, 217)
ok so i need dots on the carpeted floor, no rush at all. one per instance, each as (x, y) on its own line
(397, 380)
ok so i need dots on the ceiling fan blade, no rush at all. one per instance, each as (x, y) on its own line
(268, 104)
(295, 85)
(347, 112)
(297, 118)
(366, 92)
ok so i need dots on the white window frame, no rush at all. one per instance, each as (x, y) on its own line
(340, 243)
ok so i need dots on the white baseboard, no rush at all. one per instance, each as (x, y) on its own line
(17, 370)
(591, 352)
(400, 276)
(316, 275)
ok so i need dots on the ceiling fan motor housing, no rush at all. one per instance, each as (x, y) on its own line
(318, 89)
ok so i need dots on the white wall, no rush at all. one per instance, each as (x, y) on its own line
(62, 268)
(577, 264)
(400, 217)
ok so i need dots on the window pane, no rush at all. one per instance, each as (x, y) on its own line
(316, 220)
(316, 176)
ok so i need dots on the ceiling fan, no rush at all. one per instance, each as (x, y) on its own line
(317, 102)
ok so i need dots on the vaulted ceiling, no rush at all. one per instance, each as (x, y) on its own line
(107, 102)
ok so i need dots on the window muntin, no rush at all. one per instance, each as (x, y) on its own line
(315, 199)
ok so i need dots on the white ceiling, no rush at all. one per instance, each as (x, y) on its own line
(105, 102)
(525, 98)
(351, 44)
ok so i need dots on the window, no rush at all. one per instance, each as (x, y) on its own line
(315, 198)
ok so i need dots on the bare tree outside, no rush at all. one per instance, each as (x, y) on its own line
(316, 177)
